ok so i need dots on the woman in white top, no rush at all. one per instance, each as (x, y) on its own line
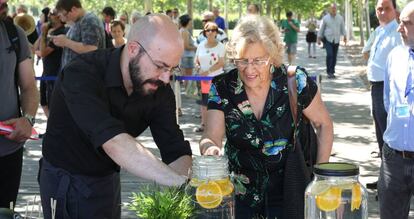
(209, 59)
(118, 33)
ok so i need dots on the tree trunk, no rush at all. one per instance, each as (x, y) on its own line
(361, 28)
(348, 20)
(367, 18)
(147, 6)
(240, 9)
(226, 13)
(268, 8)
(190, 8)
(210, 5)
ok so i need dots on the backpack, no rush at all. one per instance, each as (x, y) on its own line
(15, 46)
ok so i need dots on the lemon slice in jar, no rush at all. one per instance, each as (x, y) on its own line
(330, 199)
(226, 186)
(356, 197)
(209, 195)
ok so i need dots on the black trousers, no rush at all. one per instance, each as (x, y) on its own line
(378, 112)
(79, 196)
(10, 173)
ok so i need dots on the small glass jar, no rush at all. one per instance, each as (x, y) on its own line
(336, 193)
(211, 187)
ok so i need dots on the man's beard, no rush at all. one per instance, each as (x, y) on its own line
(136, 77)
(3, 11)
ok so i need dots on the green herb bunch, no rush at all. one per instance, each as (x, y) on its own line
(156, 202)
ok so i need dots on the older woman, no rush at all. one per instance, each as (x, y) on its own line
(250, 105)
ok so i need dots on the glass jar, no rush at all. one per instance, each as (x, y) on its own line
(336, 193)
(211, 187)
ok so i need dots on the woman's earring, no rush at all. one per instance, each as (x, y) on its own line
(272, 68)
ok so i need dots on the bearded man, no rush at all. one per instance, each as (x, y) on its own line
(101, 102)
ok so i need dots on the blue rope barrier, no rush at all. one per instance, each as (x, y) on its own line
(178, 78)
(193, 78)
(46, 78)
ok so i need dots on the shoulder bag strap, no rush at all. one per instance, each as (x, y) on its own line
(14, 46)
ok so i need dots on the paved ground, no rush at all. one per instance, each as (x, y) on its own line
(346, 97)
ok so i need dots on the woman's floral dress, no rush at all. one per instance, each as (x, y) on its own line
(256, 148)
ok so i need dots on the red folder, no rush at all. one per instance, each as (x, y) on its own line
(7, 129)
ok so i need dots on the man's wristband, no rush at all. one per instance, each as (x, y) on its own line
(30, 118)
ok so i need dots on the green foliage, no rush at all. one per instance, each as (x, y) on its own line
(155, 202)
(197, 23)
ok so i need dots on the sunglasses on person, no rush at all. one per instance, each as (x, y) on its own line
(210, 30)
(205, 20)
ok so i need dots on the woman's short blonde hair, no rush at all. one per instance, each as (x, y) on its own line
(256, 29)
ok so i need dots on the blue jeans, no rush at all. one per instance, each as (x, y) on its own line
(331, 54)
(378, 111)
(395, 185)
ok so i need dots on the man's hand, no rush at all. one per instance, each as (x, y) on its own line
(345, 41)
(22, 129)
(319, 41)
(60, 40)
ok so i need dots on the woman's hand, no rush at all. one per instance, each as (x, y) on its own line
(212, 150)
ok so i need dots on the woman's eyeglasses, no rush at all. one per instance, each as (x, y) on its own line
(243, 63)
(211, 30)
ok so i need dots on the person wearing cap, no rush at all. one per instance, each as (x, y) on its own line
(11, 146)
(27, 23)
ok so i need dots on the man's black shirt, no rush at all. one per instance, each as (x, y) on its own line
(51, 62)
(90, 106)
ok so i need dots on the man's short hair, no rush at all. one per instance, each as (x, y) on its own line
(394, 3)
(22, 8)
(67, 5)
(184, 20)
(257, 7)
(289, 14)
(168, 11)
(109, 11)
(208, 14)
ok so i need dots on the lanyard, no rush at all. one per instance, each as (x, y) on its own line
(409, 83)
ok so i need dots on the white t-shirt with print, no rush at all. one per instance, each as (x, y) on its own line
(207, 57)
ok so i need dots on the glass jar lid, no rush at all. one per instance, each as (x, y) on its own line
(210, 167)
(336, 169)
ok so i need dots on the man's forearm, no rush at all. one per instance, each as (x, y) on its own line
(79, 47)
(29, 100)
(182, 165)
(136, 159)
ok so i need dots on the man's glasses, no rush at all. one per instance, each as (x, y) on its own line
(210, 30)
(161, 68)
(53, 13)
(258, 62)
(205, 20)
